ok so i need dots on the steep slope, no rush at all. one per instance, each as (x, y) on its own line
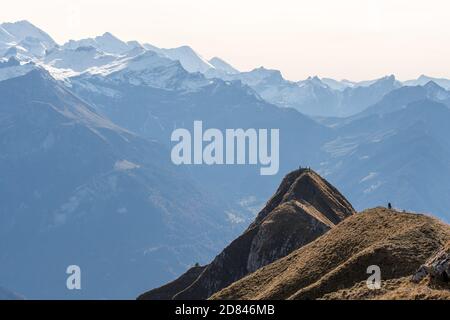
(78, 189)
(168, 291)
(396, 242)
(304, 207)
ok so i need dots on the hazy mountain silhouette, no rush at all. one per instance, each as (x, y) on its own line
(78, 189)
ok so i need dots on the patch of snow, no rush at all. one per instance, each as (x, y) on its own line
(78, 60)
(189, 59)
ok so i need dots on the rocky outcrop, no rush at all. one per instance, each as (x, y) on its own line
(437, 267)
(304, 207)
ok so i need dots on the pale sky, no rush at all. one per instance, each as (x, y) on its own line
(345, 39)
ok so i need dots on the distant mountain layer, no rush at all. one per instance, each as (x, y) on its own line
(423, 80)
(335, 265)
(78, 189)
(385, 153)
(6, 294)
(304, 207)
(313, 96)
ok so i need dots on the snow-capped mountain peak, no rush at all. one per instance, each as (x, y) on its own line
(147, 60)
(21, 30)
(79, 59)
(189, 59)
(149, 69)
(111, 44)
(31, 41)
(222, 65)
(133, 44)
(107, 43)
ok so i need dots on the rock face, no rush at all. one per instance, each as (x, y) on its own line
(437, 267)
(335, 265)
(304, 207)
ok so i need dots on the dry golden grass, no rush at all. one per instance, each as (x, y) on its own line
(397, 242)
(394, 289)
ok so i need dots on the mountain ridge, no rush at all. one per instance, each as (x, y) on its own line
(303, 208)
(396, 242)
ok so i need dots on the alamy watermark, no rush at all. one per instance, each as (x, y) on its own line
(374, 281)
(73, 281)
(232, 147)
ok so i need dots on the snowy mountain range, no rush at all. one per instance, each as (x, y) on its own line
(24, 38)
(85, 137)
(313, 96)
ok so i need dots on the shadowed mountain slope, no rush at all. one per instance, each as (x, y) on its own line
(169, 290)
